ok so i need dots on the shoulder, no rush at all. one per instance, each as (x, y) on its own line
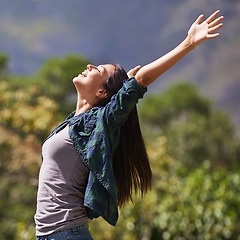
(132, 85)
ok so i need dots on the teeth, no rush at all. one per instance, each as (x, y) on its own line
(84, 74)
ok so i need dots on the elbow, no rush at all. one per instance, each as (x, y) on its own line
(142, 80)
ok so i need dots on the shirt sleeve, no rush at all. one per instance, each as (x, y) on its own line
(121, 104)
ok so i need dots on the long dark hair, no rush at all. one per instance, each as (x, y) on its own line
(130, 161)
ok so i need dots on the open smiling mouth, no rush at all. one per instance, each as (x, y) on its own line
(84, 73)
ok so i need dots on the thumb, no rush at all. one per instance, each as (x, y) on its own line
(199, 19)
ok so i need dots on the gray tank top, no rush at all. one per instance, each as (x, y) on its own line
(62, 182)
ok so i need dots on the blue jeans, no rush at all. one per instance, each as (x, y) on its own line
(75, 233)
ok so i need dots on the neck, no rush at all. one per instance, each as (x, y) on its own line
(83, 105)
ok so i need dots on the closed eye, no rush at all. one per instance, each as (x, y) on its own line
(98, 68)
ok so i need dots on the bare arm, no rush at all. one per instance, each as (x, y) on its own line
(198, 32)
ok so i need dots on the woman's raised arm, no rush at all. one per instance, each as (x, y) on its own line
(198, 32)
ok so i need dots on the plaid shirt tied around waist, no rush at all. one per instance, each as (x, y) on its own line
(95, 135)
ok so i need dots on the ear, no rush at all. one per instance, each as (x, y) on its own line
(102, 93)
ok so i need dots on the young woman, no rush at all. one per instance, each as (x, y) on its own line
(96, 158)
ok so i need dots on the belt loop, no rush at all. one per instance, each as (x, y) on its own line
(75, 230)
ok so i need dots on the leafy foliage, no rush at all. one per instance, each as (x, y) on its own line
(55, 77)
(200, 205)
(25, 119)
(3, 64)
(174, 104)
(54, 81)
(195, 130)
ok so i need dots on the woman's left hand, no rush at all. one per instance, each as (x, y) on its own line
(202, 30)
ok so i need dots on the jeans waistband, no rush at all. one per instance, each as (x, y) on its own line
(73, 229)
(85, 225)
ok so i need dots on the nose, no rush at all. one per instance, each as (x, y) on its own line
(90, 67)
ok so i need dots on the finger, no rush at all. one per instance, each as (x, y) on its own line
(133, 71)
(137, 68)
(130, 73)
(213, 29)
(210, 19)
(199, 19)
(216, 21)
(210, 36)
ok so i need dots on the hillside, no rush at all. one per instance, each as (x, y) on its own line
(128, 32)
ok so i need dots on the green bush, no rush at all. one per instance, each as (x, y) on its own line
(200, 205)
(195, 129)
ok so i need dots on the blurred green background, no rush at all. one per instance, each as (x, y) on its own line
(189, 118)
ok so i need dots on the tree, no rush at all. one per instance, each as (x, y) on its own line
(201, 204)
(25, 119)
(195, 130)
(55, 79)
(3, 64)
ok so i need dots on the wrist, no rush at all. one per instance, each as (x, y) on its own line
(188, 43)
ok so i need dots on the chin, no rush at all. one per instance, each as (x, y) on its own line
(76, 79)
(77, 85)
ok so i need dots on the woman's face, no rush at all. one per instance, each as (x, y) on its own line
(92, 79)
